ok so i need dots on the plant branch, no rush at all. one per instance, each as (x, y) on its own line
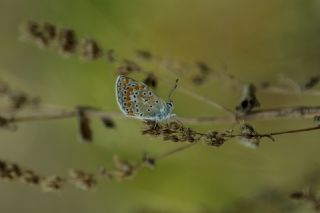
(263, 114)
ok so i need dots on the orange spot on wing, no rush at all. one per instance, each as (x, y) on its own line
(128, 103)
(130, 112)
(127, 97)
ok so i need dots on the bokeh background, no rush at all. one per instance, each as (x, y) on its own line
(256, 39)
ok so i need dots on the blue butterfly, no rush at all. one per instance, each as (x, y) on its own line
(137, 100)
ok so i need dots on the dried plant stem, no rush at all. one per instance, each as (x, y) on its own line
(263, 114)
(293, 131)
(162, 156)
(288, 91)
(279, 133)
(174, 151)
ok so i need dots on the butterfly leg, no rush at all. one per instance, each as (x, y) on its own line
(155, 125)
(175, 118)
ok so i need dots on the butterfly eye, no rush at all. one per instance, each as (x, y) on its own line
(170, 104)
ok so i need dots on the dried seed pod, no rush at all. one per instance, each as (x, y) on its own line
(52, 183)
(67, 41)
(128, 67)
(316, 120)
(203, 67)
(49, 31)
(84, 125)
(198, 79)
(30, 177)
(149, 161)
(151, 80)
(108, 122)
(204, 71)
(297, 195)
(143, 54)
(312, 82)
(124, 169)
(18, 100)
(249, 100)
(249, 136)
(33, 31)
(82, 179)
(90, 50)
(111, 56)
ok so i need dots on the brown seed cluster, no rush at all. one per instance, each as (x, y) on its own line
(52, 183)
(249, 137)
(82, 179)
(7, 123)
(249, 100)
(308, 196)
(64, 39)
(17, 100)
(203, 71)
(177, 132)
(148, 160)
(108, 122)
(127, 67)
(14, 173)
(67, 41)
(42, 34)
(84, 123)
(123, 168)
(151, 80)
(312, 82)
(144, 54)
(316, 120)
(90, 49)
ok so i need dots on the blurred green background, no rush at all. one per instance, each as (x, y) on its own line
(256, 39)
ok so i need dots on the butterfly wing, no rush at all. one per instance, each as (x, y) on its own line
(135, 99)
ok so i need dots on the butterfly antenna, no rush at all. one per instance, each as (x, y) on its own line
(173, 88)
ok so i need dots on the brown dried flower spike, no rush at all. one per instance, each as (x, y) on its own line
(67, 41)
(90, 50)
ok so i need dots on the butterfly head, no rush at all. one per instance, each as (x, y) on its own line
(169, 106)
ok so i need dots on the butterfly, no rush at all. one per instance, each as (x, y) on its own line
(137, 100)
